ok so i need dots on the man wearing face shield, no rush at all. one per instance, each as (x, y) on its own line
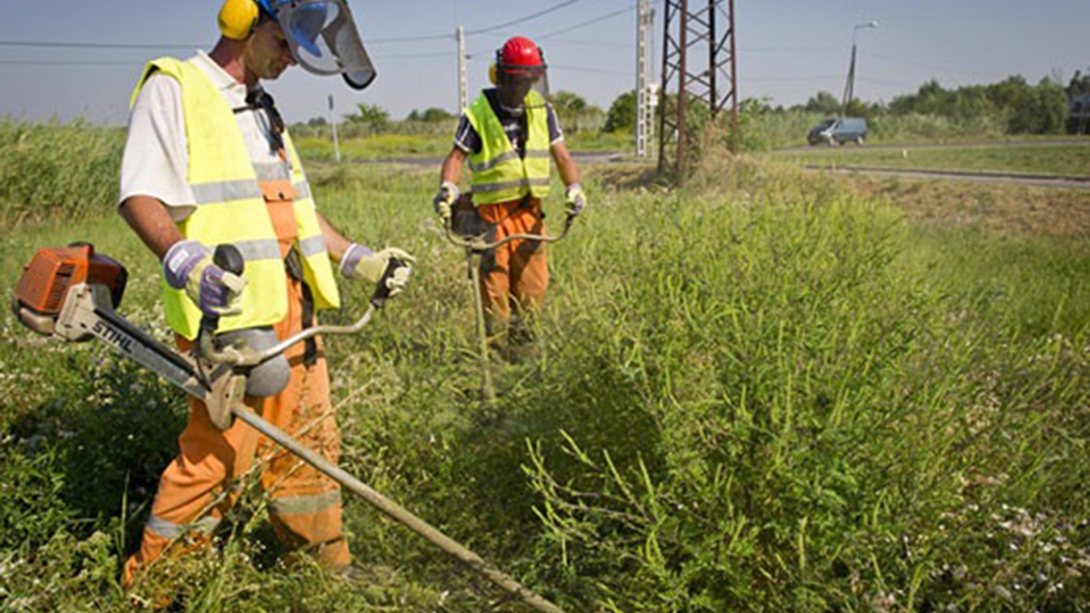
(509, 135)
(208, 161)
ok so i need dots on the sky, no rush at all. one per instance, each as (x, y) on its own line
(787, 50)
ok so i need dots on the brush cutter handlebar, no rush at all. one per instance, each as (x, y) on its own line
(478, 244)
(244, 356)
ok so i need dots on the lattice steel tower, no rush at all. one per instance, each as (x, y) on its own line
(694, 58)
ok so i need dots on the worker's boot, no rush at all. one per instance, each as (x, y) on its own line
(521, 339)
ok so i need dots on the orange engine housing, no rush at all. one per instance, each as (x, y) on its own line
(53, 270)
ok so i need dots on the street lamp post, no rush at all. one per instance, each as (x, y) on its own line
(849, 87)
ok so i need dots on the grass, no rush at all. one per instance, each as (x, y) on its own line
(401, 146)
(58, 171)
(1066, 159)
(764, 392)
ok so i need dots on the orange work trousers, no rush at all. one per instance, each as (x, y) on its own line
(515, 276)
(204, 480)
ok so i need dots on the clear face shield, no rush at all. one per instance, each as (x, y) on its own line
(324, 39)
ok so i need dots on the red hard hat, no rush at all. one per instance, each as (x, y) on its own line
(520, 54)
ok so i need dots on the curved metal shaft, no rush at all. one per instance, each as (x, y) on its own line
(488, 392)
(396, 512)
(244, 356)
(475, 247)
(478, 244)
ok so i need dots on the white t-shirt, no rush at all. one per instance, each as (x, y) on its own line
(156, 158)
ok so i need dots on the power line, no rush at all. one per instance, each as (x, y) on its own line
(592, 43)
(596, 70)
(81, 45)
(789, 50)
(408, 39)
(523, 19)
(885, 82)
(924, 66)
(70, 63)
(807, 78)
(587, 23)
(401, 56)
(375, 41)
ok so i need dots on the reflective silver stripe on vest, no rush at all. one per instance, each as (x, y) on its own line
(305, 504)
(277, 171)
(499, 187)
(302, 190)
(314, 245)
(267, 249)
(171, 530)
(211, 193)
(504, 157)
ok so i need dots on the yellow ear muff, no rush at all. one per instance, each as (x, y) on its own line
(492, 74)
(238, 18)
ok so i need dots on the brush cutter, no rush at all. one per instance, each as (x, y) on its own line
(70, 293)
(476, 246)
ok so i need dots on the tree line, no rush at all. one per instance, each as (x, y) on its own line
(1011, 106)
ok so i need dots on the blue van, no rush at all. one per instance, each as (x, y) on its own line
(838, 130)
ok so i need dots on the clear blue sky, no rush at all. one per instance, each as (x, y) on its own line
(787, 49)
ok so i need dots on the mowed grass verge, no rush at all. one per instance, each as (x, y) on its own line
(1062, 159)
(763, 392)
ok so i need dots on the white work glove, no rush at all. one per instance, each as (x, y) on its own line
(445, 198)
(188, 266)
(576, 199)
(359, 262)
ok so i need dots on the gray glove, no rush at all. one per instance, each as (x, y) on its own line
(361, 263)
(576, 199)
(445, 198)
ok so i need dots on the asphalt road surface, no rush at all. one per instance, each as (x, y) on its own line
(955, 175)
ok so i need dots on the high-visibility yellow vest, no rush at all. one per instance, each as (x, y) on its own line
(231, 209)
(499, 174)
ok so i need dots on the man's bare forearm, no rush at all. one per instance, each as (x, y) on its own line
(335, 242)
(565, 165)
(151, 221)
(452, 166)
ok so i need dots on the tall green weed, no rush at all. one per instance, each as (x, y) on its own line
(54, 171)
(754, 394)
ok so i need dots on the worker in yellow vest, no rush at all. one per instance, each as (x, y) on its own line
(208, 161)
(509, 135)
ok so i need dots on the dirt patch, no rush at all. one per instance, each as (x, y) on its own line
(1005, 209)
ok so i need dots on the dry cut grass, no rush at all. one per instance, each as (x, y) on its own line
(1012, 210)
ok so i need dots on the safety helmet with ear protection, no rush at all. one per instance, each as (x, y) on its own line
(238, 18)
(321, 34)
(519, 68)
(519, 57)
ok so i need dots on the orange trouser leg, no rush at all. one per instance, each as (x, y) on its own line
(305, 506)
(516, 275)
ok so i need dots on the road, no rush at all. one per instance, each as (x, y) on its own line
(954, 145)
(589, 157)
(954, 175)
(601, 157)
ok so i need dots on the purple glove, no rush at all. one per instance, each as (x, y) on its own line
(188, 266)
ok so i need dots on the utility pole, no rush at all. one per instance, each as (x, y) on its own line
(463, 82)
(333, 124)
(849, 86)
(694, 55)
(644, 103)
